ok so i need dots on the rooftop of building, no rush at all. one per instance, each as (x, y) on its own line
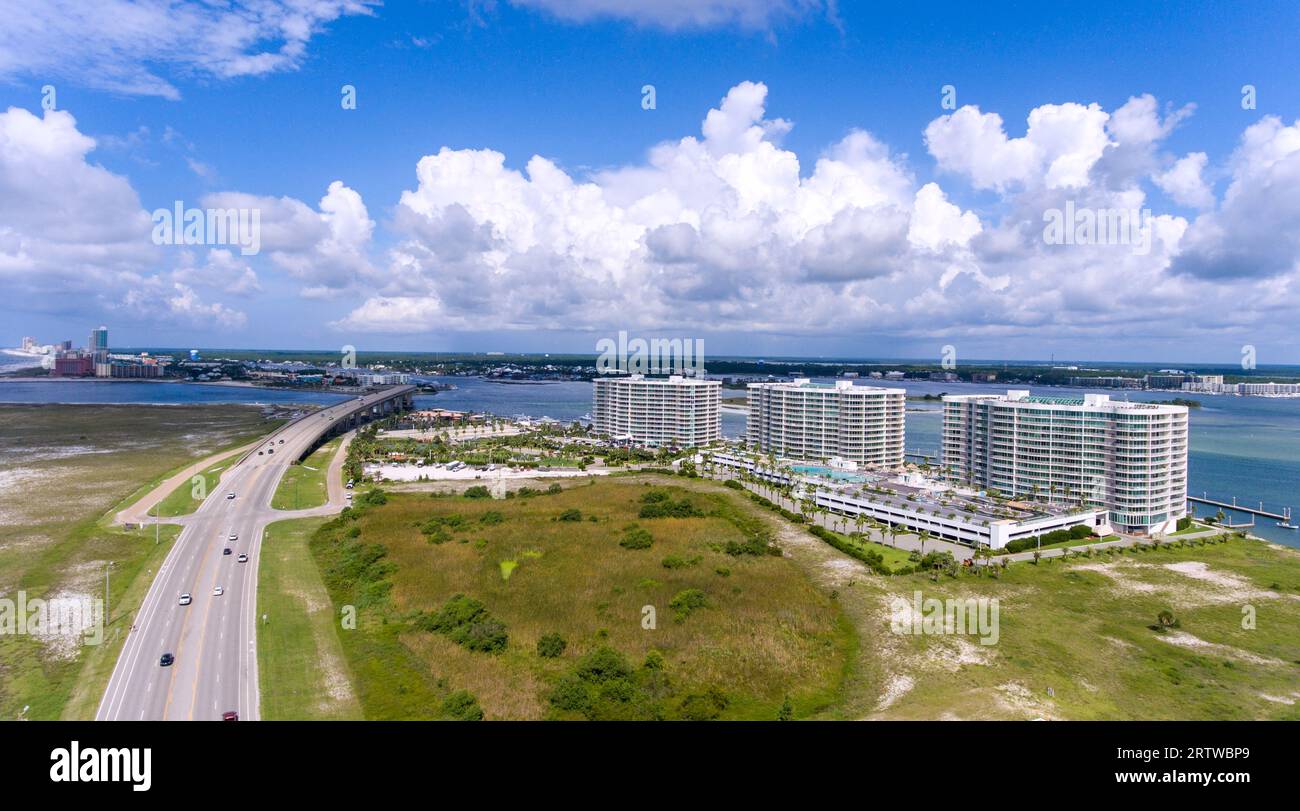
(804, 383)
(1086, 402)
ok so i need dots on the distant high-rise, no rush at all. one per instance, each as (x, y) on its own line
(98, 341)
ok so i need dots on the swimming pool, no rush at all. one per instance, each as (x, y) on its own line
(828, 473)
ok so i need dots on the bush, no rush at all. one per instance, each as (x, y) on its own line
(491, 518)
(466, 622)
(477, 491)
(571, 514)
(702, 706)
(686, 601)
(462, 706)
(733, 484)
(678, 562)
(658, 504)
(635, 537)
(551, 646)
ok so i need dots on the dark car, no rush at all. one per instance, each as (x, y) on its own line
(227, 551)
(230, 716)
(166, 660)
(270, 450)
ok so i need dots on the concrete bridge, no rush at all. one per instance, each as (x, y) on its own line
(310, 431)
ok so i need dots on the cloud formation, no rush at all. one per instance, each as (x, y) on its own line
(127, 46)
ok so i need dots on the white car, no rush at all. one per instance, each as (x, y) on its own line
(185, 599)
(349, 496)
(230, 495)
(242, 558)
(234, 536)
(217, 591)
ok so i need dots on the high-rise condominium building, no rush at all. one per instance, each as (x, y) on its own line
(658, 411)
(1130, 458)
(98, 341)
(804, 420)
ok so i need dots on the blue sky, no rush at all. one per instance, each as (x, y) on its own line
(258, 122)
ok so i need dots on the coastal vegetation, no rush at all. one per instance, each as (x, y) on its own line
(67, 470)
(588, 624)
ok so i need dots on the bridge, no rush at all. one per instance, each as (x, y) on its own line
(211, 634)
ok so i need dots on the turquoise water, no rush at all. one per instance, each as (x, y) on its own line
(829, 473)
(1248, 447)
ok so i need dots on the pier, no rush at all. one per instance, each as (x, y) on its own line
(1285, 515)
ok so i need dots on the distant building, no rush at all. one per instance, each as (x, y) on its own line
(943, 377)
(1107, 382)
(984, 377)
(1168, 381)
(658, 411)
(98, 340)
(29, 343)
(1128, 457)
(805, 420)
(126, 369)
(73, 364)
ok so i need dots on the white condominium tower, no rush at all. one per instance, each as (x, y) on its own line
(1128, 457)
(658, 410)
(804, 420)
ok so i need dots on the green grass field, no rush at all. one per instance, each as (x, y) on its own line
(301, 668)
(67, 469)
(763, 633)
(182, 500)
(303, 484)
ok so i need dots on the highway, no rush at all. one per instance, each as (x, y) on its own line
(214, 638)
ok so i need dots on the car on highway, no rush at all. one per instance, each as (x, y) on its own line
(166, 660)
(242, 558)
(230, 495)
(217, 591)
(282, 442)
(185, 599)
(230, 716)
(227, 551)
(234, 536)
(270, 450)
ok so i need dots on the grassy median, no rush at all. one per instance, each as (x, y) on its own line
(304, 484)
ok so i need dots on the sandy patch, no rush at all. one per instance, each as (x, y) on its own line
(1124, 581)
(899, 685)
(1015, 697)
(1227, 587)
(1185, 640)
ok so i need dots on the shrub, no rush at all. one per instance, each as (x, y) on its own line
(686, 601)
(477, 491)
(491, 518)
(462, 706)
(571, 514)
(553, 489)
(551, 646)
(466, 622)
(733, 484)
(678, 562)
(702, 706)
(659, 504)
(635, 537)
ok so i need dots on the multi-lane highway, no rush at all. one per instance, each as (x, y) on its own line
(213, 638)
